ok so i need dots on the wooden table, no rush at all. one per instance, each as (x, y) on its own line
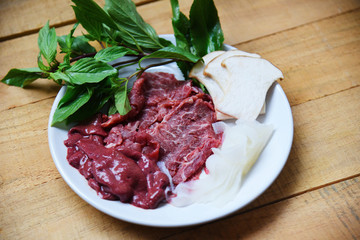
(317, 196)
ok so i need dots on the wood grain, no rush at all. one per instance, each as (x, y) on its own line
(331, 212)
(21, 17)
(307, 68)
(317, 195)
(317, 59)
(247, 20)
(325, 147)
(252, 19)
(321, 154)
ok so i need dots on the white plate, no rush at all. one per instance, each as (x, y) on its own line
(260, 177)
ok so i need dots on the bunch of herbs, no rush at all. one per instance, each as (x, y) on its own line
(92, 82)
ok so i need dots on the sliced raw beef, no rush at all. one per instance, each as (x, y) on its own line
(170, 121)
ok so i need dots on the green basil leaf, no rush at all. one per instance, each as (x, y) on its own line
(99, 24)
(58, 76)
(47, 42)
(66, 63)
(127, 18)
(21, 77)
(89, 70)
(62, 43)
(75, 97)
(101, 95)
(112, 109)
(91, 24)
(181, 27)
(41, 64)
(66, 41)
(33, 70)
(71, 94)
(91, 10)
(69, 38)
(205, 29)
(122, 103)
(165, 42)
(175, 53)
(81, 46)
(112, 53)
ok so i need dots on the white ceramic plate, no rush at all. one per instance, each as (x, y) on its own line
(260, 177)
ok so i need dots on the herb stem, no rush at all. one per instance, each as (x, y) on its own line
(134, 49)
(82, 56)
(158, 64)
(139, 72)
(125, 62)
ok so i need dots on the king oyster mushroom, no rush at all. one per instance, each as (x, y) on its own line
(237, 81)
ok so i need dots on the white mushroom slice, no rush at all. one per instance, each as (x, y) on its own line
(221, 116)
(248, 82)
(215, 70)
(213, 88)
(197, 72)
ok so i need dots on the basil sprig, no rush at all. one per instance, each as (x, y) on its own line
(92, 76)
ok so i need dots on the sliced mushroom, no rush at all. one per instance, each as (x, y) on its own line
(248, 82)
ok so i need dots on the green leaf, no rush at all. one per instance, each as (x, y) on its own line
(91, 24)
(101, 95)
(47, 42)
(205, 29)
(75, 97)
(127, 18)
(62, 43)
(99, 24)
(41, 64)
(112, 109)
(66, 41)
(66, 63)
(181, 27)
(21, 77)
(112, 53)
(122, 103)
(91, 10)
(81, 46)
(165, 42)
(175, 53)
(69, 38)
(89, 70)
(58, 76)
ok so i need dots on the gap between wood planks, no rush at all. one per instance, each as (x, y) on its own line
(325, 95)
(29, 103)
(298, 26)
(62, 24)
(263, 205)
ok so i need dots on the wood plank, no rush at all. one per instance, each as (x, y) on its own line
(304, 54)
(325, 150)
(53, 211)
(265, 17)
(247, 20)
(22, 53)
(19, 17)
(325, 146)
(317, 59)
(331, 212)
